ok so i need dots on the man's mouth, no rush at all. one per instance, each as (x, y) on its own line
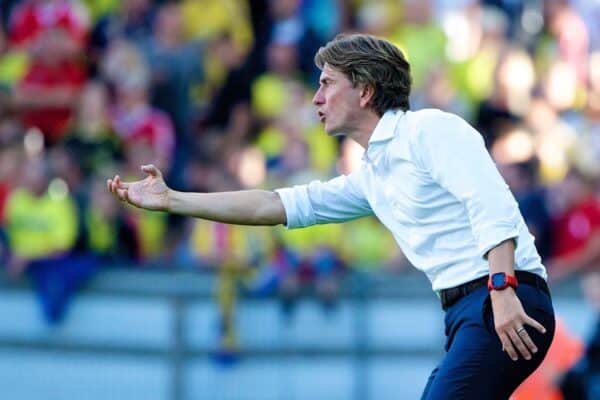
(321, 116)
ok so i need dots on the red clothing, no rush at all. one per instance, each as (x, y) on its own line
(4, 191)
(576, 226)
(52, 121)
(31, 18)
(146, 125)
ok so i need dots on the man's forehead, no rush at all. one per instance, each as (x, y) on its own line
(329, 72)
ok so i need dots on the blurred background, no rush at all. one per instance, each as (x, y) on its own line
(104, 301)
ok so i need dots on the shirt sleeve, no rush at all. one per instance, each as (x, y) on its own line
(337, 200)
(454, 154)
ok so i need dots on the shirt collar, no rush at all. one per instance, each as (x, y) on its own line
(384, 130)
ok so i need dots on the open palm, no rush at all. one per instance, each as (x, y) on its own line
(150, 193)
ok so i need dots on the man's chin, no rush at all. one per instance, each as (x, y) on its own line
(331, 131)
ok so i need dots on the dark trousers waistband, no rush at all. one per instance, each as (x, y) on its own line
(451, 295)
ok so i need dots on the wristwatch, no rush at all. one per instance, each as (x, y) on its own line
(501, 280)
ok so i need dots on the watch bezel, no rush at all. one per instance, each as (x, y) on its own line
(499, 280)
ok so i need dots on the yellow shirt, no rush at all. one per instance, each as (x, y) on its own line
(40, 226)
(206, 19)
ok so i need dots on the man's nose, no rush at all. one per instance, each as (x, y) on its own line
(318, 98)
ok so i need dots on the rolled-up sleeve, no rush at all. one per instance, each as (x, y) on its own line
(455, 155)
(337, 200)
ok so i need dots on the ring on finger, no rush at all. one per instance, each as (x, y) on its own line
(521, 329)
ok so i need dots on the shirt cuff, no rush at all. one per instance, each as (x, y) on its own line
(495, 235)
(298, 209)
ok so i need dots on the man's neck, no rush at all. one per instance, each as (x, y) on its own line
(364, 129)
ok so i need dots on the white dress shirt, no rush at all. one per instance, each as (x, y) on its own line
(429, 179)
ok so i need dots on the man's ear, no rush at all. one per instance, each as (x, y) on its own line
(366, 95)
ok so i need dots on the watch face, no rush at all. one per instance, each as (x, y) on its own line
(498, 279)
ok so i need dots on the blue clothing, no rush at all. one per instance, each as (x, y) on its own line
(56, 280)
(475, 367)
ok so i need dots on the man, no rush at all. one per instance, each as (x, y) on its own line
(428, 178)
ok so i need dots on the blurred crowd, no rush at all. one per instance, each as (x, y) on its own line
(217, 94)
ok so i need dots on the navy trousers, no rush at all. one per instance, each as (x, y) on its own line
(475, 367)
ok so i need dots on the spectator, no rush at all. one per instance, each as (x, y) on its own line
(521, 179)
(133, 119)
(513, 81)
(47, 94)
(32, 18)
(289, 27)
(571, 33)
(131, 21)
(576, 227)
(586, 123)
(40, 223)
(91, 139)
(552, 137)
(175, 66)
(208, 20)
(42, 227)
(474, 75)
(423, 40)
(270, 90)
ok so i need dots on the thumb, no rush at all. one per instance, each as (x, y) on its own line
(152, 170)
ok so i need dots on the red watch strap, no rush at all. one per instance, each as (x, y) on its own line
(509, 280)
(512, 281)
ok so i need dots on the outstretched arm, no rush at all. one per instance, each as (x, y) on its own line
(247, 207)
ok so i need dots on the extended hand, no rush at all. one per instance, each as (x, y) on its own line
(510, 320)
(151, 192)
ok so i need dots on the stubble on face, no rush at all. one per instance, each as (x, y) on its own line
(336, 101)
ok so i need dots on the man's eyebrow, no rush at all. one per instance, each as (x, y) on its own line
(325, 79)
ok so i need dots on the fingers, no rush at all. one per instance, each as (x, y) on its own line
(517, 341)
(524, 336)
(116, 183)
(510, 322)
(118, 188)
(508, 347)
(123, 194)
(532, 322)
(120, 183)
(110, 184)
(152, 170)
